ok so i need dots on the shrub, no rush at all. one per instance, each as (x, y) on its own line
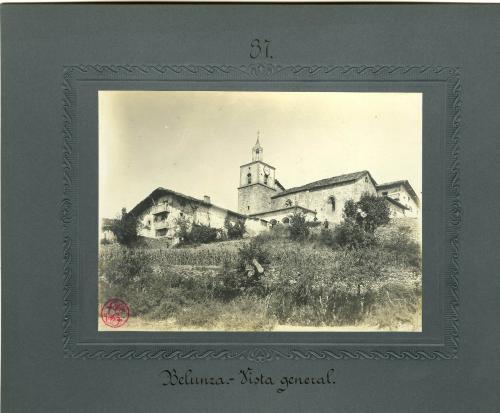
(399, 242)
(275, 233)
(314, 224)
(202, 234)
(352, 235)
(328, 237)
(370, 212)
(124, 266)
(125, 228)
(192, 233)
(183, 227)
(234, 230)
(299, 229)
(248, 278)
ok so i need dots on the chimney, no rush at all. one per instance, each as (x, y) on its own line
(206, 198)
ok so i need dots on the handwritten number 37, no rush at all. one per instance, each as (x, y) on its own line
(260, 48)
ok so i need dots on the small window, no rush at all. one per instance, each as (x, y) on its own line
(181, 214)
(248, 208)
(249, 178)
(161, 232)
(331, 200)
(366, 179)
(285, 220)
(265, 179)
(273, 222)
(288, 203)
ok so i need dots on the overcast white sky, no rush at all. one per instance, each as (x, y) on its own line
(194, 142)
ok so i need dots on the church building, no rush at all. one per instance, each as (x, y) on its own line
(261, 195)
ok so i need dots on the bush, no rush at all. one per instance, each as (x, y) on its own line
(125, 228)
(352, 235)
(124, 266)
(275, 233)
(192, 233)
(370, 212)
(202, 234)
(183, 228)
(299, 229)
(328, 237)
(234, 230)
(247, 277)
(398, 241)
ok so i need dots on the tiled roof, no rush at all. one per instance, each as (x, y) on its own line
(403, 182)
(397, 203)
(326, 182)
(158, 192)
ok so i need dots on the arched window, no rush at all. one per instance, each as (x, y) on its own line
(288, 203)
(265, 179)
(331, 200)
(273, 222)
(249, 178)
(285, 220)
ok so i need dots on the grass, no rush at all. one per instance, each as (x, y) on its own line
(304, 285)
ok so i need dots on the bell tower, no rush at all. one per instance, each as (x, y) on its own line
(257, 183)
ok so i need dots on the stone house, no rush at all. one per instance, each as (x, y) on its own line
(401, 193)
(160, 211)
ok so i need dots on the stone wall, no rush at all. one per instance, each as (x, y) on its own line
(280, 215)
(319, 200)
(254, 198)
(400, 194)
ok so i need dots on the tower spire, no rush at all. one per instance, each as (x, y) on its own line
(257, 150)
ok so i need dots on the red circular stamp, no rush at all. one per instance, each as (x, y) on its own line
(115, 313)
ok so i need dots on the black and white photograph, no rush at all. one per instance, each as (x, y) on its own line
(260, 211)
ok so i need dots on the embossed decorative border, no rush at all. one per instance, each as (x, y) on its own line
(261, 72)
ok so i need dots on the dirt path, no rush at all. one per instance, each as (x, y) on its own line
(139, 324)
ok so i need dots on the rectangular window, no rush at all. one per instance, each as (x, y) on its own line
(161, 232)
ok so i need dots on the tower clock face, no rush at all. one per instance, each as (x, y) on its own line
(266, 170)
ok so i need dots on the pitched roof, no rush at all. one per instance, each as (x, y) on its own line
(394, 202)
(403, 182)
(294, 207)
(335, 180)
(158, 192)
(279, 185)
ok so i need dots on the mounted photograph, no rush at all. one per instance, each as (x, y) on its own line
(260, 211)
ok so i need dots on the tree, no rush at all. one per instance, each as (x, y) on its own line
(370, 212)
(124, 228)
(299, 230)
(361, 219)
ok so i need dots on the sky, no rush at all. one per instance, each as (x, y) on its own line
(194, 142)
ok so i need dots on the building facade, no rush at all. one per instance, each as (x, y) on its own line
(260, 195)
(159, 213)
(263, 201)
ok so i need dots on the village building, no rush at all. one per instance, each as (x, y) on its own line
(261, 195)
(159, 213)
(263, 201)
